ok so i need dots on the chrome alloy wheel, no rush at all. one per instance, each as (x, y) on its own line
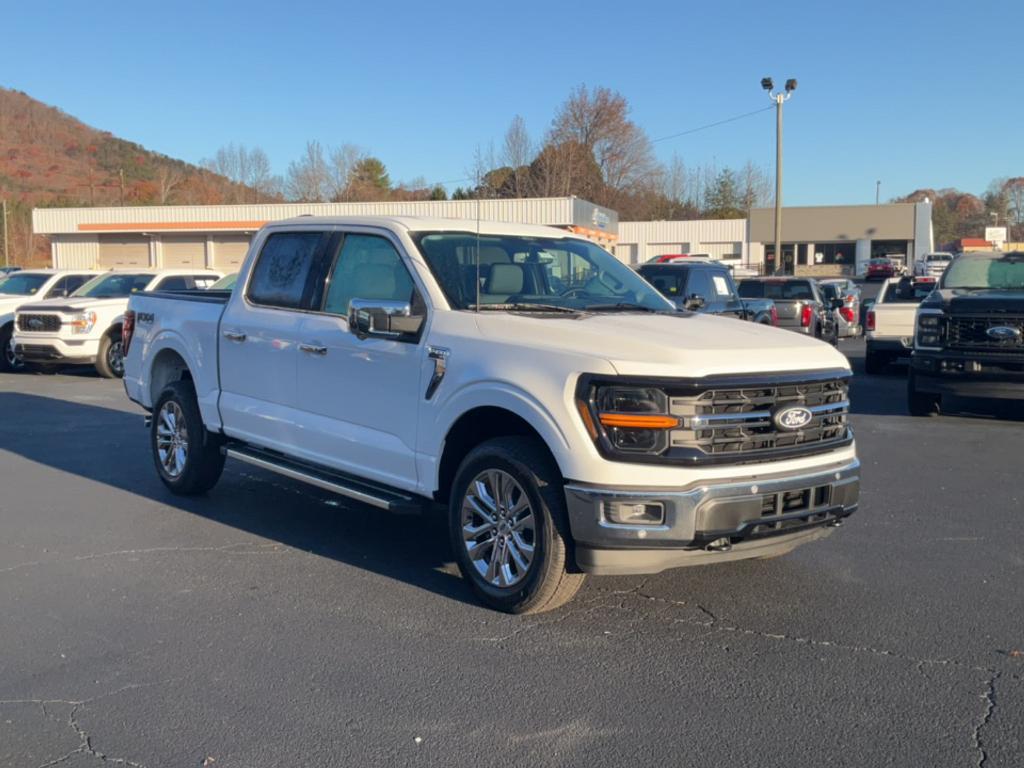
(115, 359)
(172, 439)
(499, 529)
(11, 357)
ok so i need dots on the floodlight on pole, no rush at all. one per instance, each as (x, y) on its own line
(779, 98)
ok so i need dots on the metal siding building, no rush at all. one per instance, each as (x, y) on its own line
(640, 241)
(218, 235)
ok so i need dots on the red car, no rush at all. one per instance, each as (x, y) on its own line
(880, 269)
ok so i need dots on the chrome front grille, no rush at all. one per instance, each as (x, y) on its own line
(38, 323)
(728, 421)
(972, 332)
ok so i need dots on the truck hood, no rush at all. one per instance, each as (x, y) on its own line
(72, 305)
(683, 345)
(958, 301)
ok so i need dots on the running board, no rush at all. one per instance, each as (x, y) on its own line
(378, 496)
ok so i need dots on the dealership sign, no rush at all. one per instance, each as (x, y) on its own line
(995, 235)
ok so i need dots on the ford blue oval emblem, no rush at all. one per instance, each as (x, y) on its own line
(1003, 333)
(793, 418)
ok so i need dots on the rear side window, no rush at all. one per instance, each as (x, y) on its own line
(282, 270)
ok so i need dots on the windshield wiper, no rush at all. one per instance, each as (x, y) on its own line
(622, 306)
(523, 307)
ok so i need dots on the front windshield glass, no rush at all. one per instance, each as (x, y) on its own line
(116, 285)
(23, 283)
(986, 270)
(546, 274)
(939, 257)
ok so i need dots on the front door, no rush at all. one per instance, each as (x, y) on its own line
(360, 397)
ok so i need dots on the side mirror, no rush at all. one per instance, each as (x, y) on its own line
(382, 318)
(694, 302)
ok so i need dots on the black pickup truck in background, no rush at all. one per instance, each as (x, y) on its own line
(706, 286)
(969, 334)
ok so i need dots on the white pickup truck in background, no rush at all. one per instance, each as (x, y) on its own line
(569, 417)
(85, 328)
(932, 265)
(891, 318)
(27, 285)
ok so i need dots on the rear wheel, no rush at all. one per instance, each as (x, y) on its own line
(110, 360)
(9, 361)
(509, 527)
(921, 403)
(187, 456)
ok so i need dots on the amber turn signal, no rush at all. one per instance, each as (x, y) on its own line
(638, 421)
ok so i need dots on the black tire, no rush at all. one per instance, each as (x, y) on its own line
(874, 363)
(203, 461)
(9, 362)
(109, 360)
(921, 403)
(546, 583)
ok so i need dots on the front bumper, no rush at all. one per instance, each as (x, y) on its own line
(758, 516)
(56, 350)
(948, 372)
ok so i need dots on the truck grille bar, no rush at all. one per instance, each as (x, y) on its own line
(971, 332)
(38, 323)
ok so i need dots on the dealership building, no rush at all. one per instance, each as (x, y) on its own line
(818, 240)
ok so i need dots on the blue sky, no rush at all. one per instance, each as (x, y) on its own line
(916, 94)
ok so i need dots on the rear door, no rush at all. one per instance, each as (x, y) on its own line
(360, 397)
(260, 335)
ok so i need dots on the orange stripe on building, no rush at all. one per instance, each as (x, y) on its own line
(599, 234)
(161, 226)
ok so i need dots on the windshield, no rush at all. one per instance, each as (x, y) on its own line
(782, 291)
(939, 257)
(520, 272)
(986, 270)
(116, 285)
(226, 283)
(23, 283)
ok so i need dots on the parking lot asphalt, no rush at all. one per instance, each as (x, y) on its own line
(268, 624)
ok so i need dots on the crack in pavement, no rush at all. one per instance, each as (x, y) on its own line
(86, 746)
(238, 548)
(989, 696)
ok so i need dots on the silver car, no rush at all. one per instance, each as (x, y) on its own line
(847, 316)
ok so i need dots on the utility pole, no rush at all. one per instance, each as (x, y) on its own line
(7, 256)
(878, 189)
(779, 99)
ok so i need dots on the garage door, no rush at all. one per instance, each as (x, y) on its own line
(724, 250)
(124, 251)
(626, 253)
(183, 251)
(229, 252)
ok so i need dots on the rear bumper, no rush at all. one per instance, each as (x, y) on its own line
(733, 520)
(795, 326)
(890, 346)
(975, 375)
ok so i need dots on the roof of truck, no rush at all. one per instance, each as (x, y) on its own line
(428, 224)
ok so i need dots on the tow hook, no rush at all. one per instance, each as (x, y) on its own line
(719, 545)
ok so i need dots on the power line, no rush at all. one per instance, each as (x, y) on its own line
(712, 125)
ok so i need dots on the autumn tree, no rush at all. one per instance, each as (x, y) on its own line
(309, 179)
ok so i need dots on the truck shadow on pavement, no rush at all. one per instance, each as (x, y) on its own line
(411, 549)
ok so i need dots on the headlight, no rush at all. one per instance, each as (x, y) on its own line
(929, 330)
(632, 419)
(83, 322)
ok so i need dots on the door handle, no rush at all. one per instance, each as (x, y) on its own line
(313, 349)
(234, 335)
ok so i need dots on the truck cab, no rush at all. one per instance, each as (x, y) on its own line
(571, 420)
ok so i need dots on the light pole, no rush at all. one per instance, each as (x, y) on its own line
(779, 99)
(878, 190)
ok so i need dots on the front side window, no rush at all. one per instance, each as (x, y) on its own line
(23, 284)
(282, 270)
(114, 285)
(668, 281)
(522, 272)
(368, 267)
(58, 289)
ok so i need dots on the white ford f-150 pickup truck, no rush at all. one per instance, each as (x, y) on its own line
(85, 327)
(25, 286)
(890, 320)
(569, 416)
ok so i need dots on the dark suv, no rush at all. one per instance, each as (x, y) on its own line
(969, 338)
(706, 286)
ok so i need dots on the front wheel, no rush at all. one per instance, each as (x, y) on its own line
(921, 403)
(187, 457)
(509, 527)
(110, 360)
(9, 361)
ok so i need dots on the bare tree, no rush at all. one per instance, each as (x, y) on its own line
(308, 177)
(517, 153)
(341, 164)
(168, 179)
(755, 186)
(259, 177)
